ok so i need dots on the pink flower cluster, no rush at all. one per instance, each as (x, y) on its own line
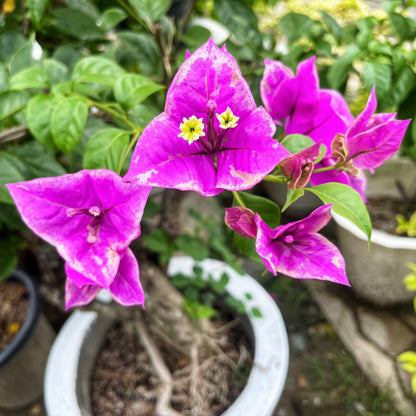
(212, 137)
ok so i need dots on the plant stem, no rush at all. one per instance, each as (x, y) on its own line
(276, 179)
(238, 199)
(114, 113)
(13, 133)
(127, 151)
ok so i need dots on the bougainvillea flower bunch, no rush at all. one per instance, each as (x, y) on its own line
(292, 249)
(323, 115)
(91, 217)
(212, 137)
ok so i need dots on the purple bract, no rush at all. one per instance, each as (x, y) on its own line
(211, 136)
(90, 217)
(294, 249)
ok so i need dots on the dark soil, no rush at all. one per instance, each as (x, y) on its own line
(383, 212)
(124, 383)
(14, 305)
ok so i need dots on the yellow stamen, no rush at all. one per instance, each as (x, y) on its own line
(192, 129)
(227, 119)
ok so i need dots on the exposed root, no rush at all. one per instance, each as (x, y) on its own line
(163, 407)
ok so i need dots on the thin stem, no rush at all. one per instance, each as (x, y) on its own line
(120, 116)
(326, 169)
(13, 133)
(276, 179)
(238, 199)
(127, 151)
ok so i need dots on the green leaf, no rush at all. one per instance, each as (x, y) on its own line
(68, 122)
(11, 102)
(180, 280)
(38, 116)
(85, 6)
(219, 285)
(408, 356)
(240, 19)
(195, 36)
(151, 10)
(4, 79)
(292, 196)
(378, 74)
(105, 149)
(33, 77)
(9, 173)
(390, 5)
(112, 17)
(131, 89)
(268, 210)
(332, 25)
(236, 304)
(403, 84)
(247, 247)
(197, 310)
(338, 72)
(36, 160)
(400, 26)
(10, 43)
(294, 143)
(68, 54)
(37, 9)
(413, 383)
(191, 246)
(346, 202)
(29, 55)
(256, 312)
(97, 69)
(139, 50)
(10, 217)
(8, 261)
(57, 71)
(77, 24)
(142, 115)
(295, 25)
(158, 241)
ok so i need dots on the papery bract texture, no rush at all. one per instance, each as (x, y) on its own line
(307, 109)
(125, 289)
(373, 138)
(90, 217)
(297, 250)
(241, 220)
(299, 166)
(211, 136)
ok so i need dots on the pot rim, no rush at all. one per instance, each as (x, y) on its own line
(377, 236)
(31, 318)
(271, 356)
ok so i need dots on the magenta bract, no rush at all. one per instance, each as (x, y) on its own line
(299, 166)
(241, 220)
(90, 217)
(295, 249)
(126, 288)
(307, 109)
(211, 136)
(373, 138)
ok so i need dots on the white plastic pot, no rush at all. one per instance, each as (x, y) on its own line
(376, 274)
(72, 356)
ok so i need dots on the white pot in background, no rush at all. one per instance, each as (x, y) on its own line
(376, 274)
(79, 341)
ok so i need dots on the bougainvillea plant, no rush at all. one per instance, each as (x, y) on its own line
(211, 138)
